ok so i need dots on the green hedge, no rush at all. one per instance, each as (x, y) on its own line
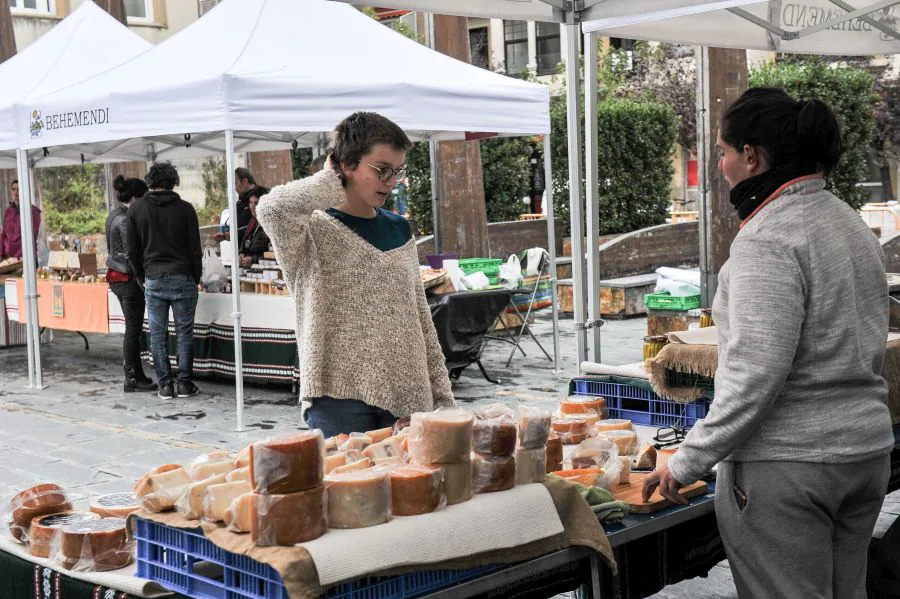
(850, 93)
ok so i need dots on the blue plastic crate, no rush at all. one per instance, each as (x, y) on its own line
(185, 561)
(642, 406)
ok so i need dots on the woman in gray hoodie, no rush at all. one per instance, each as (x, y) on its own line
(800, 426)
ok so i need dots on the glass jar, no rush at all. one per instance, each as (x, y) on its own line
(653, 344)
(706, 319)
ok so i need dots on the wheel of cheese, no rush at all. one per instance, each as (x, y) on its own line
(334, 460)
(613, 424)
(358, 499)
(39, 500)
(239, 474)
(534, 427)
(362, 464)
(218, 498)
(591, 418)
(211, 464)
(94, 545)
(531, 466)
(115, 505)
(237, 516)
(572, 438)
(40, 535)
(495, 437)
(416, 489)
(443, 436)
(161, 491)
(491, 473)
(582, 404)
(600, 452)
(380, 435)
(554, 452)
(457, 481)
(287, 519)
(626, 440)
(190, 503)
(288, 465)
(571, 425)
(389, 448)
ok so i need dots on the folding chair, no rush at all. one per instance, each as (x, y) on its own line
(532, 295)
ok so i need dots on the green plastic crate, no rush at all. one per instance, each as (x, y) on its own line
(666, 301)
(470, 265)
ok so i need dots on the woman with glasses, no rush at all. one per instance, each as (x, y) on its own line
(368, 351)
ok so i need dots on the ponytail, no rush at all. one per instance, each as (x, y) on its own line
(819, 136)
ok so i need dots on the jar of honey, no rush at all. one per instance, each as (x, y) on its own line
(653, 344)
(706, 319)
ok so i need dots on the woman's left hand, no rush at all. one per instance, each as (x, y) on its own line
(668, 486)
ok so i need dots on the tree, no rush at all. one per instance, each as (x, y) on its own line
(887, 129)
(72, 199)
(215, 184)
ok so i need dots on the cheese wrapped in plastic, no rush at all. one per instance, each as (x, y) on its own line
(355, 442)
(361, 464)
(583, 404)
(457, 481)
(287, 519)
(389, 448)
(380, 435)
(613, 424)
(218, 498)
(534, 427)
(594, 453)
(531, 466)
(494, 431)
(43, 528)
(627, 441)
(39, 500)
(416, 489)
(237, 516)
(159, 492)
(190, 503)
(571, 430)
(288, 464)
(115, 505)
(625, 474)
(491, 473)
(210, 464)
(554, 451)
(335, 460)
(243, 459)
(442, 436)
(358, 499)
(93, 545)
(239, 474)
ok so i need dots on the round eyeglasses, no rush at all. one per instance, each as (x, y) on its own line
(386, 173)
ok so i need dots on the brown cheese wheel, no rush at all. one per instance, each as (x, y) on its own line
(416, 489)
(115, 505)
(95, 545)
(40, 536)
(554, 450)
(288, 465)
(494, 437)
(441, 437)
(457, 481)
(39, 500)
(287, 519)
(358, 499)
(490, 473)
(531, 466)
(570, 425)
(582, 404)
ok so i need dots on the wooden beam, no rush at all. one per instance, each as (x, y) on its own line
(114, 7)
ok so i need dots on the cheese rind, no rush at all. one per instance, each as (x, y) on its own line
(534, 427)
(583, 404)
(43, 529)
(494, 432)
(614, 424)
(39, 500)
(554, 451)
(531, 466)
(358, 499)
(94, 545)
(287, 519)
(416, 489)
(389, 448)
(288, 465)
(162, 490)
(115, 505)
(570, 425)
(190, 503)
(457, 481)
(492, 473)
(218, 498)
(362, 464)
(335, 460)
(626, 441)
(239, 474)
(442, 436)
(211, 464)
(237, 516)
(380, 435)
(356, 442)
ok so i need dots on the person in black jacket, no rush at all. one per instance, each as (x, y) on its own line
(123, 283)
(254, 242)
(165, 252)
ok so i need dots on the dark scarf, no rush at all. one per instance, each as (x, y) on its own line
(750, 193)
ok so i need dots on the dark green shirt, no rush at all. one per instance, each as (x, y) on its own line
(387, 231)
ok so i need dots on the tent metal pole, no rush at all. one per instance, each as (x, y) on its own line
(21, 166)
(704, 137)
(433, 158)
(36, 329)
(235, 282)
(551, 247)
(592, 197)
(576, 203)
(29, 262)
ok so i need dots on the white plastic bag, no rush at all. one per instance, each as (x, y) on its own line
(213, 269)
(511, 272)
(476, 280)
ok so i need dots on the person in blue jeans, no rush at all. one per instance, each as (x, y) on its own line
(165, 252)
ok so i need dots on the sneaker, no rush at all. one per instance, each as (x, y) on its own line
(188, 389)
(166, 391)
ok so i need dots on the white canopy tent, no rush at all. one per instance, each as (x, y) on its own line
(265, 74)
(76, 48)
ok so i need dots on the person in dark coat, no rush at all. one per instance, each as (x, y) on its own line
(254, 242)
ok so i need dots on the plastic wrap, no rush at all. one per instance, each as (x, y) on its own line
(239, 474)
(243, 458)
(442, 436)
(43, 528)
(358, 499)
(457, 481)
(572, 438)
(534, 427)
(572, 430)
(190, 502)
(287, 519)
(389, 448)
(335, 459)
(594, 477)
(554, 452)
(388, 461)
(360, 464)
(594, 453)
(218, 498)
(494, 431)
(491, 474)
(416, 489)
(625, 473)
(531, 466)
(210, 464)
(93, 545)
(355, 442)
(583, 404)
(380, 435)
(39, 500)
(288, 464)
(159, 492)
(613, 424)
(115, 505)
(646, 458)
(627, 441)
(237, 516)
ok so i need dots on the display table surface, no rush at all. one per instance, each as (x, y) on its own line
(62, 305)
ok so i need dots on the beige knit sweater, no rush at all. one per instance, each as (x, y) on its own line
(364, 329)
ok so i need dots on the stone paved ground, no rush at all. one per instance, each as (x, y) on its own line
(83, 432)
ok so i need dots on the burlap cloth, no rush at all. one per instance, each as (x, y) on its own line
(298, 571)
(702, 360)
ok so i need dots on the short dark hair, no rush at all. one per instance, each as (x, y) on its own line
(14, 182)
(241, 173)
(318, 162)
(128, 189)
(786, 131)
(359, 132)
(162, 175)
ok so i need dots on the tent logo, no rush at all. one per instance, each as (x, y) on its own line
(37, 123)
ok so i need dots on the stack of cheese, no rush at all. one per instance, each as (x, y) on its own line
(443, 439)
(494, 451)
(601, 455)
(554, 452)
(216, 479)
(620, 432)
(533, 445)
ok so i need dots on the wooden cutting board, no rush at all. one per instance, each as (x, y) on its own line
(631, 494)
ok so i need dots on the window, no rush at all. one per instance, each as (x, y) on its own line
(39, 6)
(515, 44)
(478, 47)
(548, 48)
(139, 10)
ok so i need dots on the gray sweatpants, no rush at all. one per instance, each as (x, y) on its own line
(805, 528)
